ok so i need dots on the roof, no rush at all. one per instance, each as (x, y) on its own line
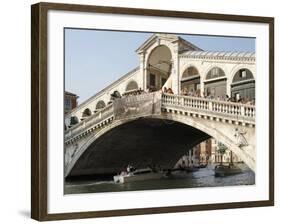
(184, 44)
(106, 88)
(218, 54)
(70, 94)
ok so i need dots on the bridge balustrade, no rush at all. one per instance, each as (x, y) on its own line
(96, 118)
(207, 107)
(214, 106)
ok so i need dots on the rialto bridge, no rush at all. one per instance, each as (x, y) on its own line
(103, 135)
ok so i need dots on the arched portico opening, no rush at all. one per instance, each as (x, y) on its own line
(73, 120)
(190, 81)
(243, 85)
(86, 113)
(215, 83)
(159, 67)
(100, 104)
(132, 85)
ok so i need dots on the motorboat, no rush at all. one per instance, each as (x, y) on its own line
(225, 170)
(137, 175)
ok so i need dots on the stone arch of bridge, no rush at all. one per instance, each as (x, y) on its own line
(216, 133)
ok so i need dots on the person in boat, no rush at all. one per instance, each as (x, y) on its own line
(130, 168)
(123, 173)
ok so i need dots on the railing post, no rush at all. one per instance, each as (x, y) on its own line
(182, 101)
(210, 106)
(242, 110)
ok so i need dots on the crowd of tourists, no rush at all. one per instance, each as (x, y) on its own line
(235, 99)
(194, 93)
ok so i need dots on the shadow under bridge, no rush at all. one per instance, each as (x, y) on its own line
(141, 142)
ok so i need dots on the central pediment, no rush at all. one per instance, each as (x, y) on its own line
(184, 45)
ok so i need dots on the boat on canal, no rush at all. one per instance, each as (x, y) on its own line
(137, 175)
(226, 170)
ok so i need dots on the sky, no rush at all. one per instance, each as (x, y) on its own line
(95, 58)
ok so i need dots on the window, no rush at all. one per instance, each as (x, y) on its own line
(68, 103)
(100, 104)
(152, 80)
(87, 112)
(215, 73)
(189, 72)
(243, 73)
(74, 120)
(132, 85)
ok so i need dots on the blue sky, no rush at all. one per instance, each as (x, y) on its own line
(95, 58)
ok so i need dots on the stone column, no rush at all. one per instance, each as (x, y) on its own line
(228, 86)
(202, 86)
(143, 70)
(175, 70)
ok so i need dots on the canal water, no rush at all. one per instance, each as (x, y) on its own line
(202, 178)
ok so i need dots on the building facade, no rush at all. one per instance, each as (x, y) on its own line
(226, 157)
(207, 152)
(70, 101)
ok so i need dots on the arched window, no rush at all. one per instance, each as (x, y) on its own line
(159, 66)
(243, 85)
(100, 105)
(190, 72)
(215, 83)
(190, 82)
(215, 72)
(242, 75)
(132, 85)
(74, 120)
(87, 112)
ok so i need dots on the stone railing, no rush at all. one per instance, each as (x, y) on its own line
(96, 118)
(213, 107)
